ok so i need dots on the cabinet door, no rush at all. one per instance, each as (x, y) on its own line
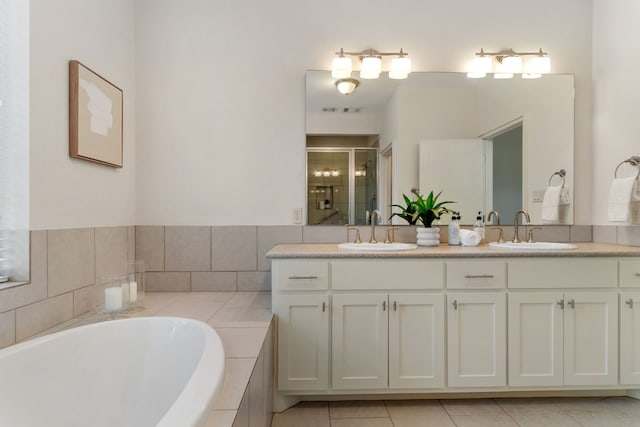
(416, 340)
(360, 328)
(630, 338)
(476, 339)
(535, 339)
(303, 342)
(591, 338)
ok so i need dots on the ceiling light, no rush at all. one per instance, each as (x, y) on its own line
(400, 66)
(371, 64)
(342, 67)
(508, 63)
(371, 67)
(346, 86)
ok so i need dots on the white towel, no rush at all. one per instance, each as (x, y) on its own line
(622, 192)
(469, 238)
(551, 203)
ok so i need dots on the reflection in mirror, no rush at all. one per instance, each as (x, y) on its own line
(341, 179)
(522, 131)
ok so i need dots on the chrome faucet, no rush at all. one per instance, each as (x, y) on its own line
(516, 239)
(375, 216)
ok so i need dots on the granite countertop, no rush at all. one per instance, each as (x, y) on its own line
(331, 250)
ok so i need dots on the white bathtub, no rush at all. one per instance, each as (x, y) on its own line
(146, 371)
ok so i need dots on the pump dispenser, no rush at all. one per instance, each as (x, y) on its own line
(454, 231)
(479, 225)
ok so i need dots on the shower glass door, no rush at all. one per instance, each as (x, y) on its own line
(341, 185)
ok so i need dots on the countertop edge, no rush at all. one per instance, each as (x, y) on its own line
(327, 250)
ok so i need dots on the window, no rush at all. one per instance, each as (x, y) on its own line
(14, 140)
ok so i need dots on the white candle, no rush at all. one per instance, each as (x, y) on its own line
(133, 292)
(125, 294)
(112, 299)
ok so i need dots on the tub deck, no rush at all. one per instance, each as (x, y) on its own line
(244, 322)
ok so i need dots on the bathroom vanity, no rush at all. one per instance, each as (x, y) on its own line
(455, 320)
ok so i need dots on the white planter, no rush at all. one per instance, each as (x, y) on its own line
(428, 236)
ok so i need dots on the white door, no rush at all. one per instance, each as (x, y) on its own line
(303, 342)
(535, 338)
(476, 339)
(440, 163)
(360, 337)
(630, 338)
(416, 340)
(591, 338)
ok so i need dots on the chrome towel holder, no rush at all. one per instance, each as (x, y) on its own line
(561, 173)
(633, 161)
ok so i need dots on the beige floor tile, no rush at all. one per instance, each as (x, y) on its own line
(478, 420)
(418, 413)
(242, 342)
(358, 409)
(220, 419)
(361, 422)
(472, 407)
(309, 414)
(236, 378)
(529, 406)
(602, 418)
(625, 405)
(241, 318)
(552, 419)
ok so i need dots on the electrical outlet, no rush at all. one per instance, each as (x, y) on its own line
(297, 215)
(538, 196)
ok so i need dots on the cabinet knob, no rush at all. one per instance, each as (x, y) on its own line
(455, 304)
(561, 304)
(395, 306)
(324, 306)
(384, 305)
(629, 302)
(302, 277)
(571, 303)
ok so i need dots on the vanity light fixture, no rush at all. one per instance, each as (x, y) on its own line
(326, 172)
(510, 62)
(347, 86)
(371, 68)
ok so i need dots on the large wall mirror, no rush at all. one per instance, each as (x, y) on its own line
(487, 144)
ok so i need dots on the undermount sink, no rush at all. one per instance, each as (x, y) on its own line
(541, 246)
(377, 246)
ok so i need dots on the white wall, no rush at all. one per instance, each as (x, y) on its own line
(616, 128)
(68, 192)
(220, 89)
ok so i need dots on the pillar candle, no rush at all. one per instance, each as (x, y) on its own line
(113, 299)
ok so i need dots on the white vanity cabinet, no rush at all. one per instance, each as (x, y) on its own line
(563, 338)
(301, 302)
(476, 334)
(353, 325)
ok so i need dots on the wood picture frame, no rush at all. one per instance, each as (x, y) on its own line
(95, 117)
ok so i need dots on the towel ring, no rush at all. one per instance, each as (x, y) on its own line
(561, 173)
(633, 161)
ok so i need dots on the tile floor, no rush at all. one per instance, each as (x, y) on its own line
(560, 412)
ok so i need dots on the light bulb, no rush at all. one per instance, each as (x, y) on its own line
(371, 67)
(341, 68)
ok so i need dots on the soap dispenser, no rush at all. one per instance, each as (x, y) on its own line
(479, 225)
(454, 231)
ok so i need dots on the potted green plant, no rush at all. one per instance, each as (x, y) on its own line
(425, 211)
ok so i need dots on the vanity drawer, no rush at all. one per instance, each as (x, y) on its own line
(476, 274)
(563, 272)
(295, 275)
(391, 274)
(630, 273)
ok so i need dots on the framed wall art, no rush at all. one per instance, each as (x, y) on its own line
(95, 117)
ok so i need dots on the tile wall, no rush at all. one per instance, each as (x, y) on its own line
(66, 264)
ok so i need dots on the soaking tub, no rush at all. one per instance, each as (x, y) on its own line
(147, 371)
